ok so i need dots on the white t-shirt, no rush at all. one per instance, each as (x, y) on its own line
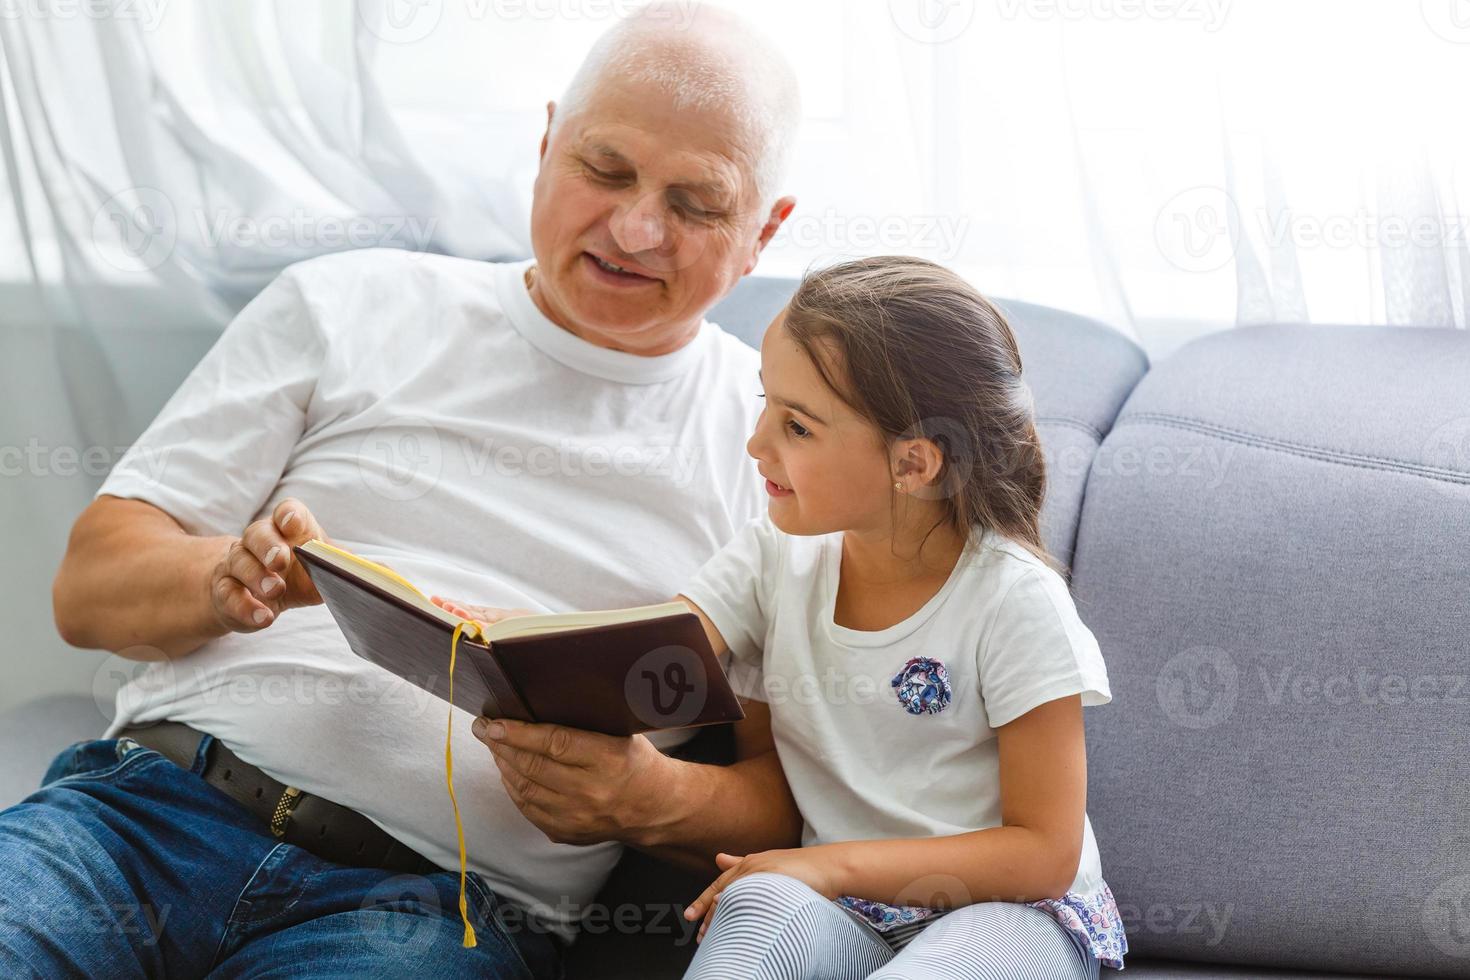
(433, 419)
(870, 756)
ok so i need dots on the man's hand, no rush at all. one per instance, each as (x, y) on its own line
(577, 787)
(259, 578)
(814, 865)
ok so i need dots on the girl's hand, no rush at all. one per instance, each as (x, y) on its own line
(485, 615)
(813, 865)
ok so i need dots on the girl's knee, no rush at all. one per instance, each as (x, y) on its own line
(768, 890)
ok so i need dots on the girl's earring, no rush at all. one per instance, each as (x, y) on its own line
(898, 485)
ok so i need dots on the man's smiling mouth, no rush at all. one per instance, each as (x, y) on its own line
(613, 269)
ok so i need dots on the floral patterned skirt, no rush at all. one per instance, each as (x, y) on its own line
(1092, 918)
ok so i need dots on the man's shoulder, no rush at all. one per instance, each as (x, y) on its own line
(353, 264)
(349, 292)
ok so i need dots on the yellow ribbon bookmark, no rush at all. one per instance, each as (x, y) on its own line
(473, 629)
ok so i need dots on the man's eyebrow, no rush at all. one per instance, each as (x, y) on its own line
(708, 189)
(603, 150)
(794, 406)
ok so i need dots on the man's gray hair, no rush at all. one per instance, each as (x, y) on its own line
(704, 58)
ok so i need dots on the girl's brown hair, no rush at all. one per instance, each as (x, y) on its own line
(923, 355)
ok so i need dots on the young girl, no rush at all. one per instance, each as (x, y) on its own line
(923, 664)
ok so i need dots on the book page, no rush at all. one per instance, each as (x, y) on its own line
(391, 582)
(556, 622)
(380, 575)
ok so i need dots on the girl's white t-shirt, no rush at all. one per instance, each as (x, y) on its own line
(892, 733)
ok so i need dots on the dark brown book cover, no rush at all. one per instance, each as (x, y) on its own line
(620, 679)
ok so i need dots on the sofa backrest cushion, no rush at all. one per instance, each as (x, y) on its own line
(1273, 553)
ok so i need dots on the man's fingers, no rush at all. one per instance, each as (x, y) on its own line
(238, 608)
(568, 746)
(539, 804)
(264, 585)
(527, 790)
(295, 523)
(271, 540)
(539, 769)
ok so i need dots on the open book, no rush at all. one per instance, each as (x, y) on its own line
(617, 671)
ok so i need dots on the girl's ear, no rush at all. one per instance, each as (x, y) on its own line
(917, 463)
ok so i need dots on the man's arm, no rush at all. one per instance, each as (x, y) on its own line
(135, 582)
(706, 809)
(583, 787)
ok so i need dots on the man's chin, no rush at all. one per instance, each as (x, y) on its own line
(630, 334)
(622, 321)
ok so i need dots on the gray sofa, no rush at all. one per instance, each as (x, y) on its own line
(1269, 534)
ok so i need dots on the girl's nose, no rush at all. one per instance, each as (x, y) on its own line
(755, 445)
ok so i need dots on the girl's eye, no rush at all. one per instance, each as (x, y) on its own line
(797, 429)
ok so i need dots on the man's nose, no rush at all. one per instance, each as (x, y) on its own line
(640, 226)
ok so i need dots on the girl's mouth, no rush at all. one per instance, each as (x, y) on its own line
(776, 490)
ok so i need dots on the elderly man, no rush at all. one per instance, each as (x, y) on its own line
(560, 433)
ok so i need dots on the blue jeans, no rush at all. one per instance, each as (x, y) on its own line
(124, 864)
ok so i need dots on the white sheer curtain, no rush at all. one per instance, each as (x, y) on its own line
(1169, 166)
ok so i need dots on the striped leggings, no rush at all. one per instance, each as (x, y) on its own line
(773, 927)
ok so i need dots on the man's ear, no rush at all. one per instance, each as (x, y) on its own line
(780, 211)
(546, 136)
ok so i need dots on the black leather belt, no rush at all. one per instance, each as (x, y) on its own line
(329, 830)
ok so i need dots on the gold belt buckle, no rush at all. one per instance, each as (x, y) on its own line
(284, 806)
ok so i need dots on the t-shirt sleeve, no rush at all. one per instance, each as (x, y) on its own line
(1037, 650)
(735, 590)
(220, 444)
